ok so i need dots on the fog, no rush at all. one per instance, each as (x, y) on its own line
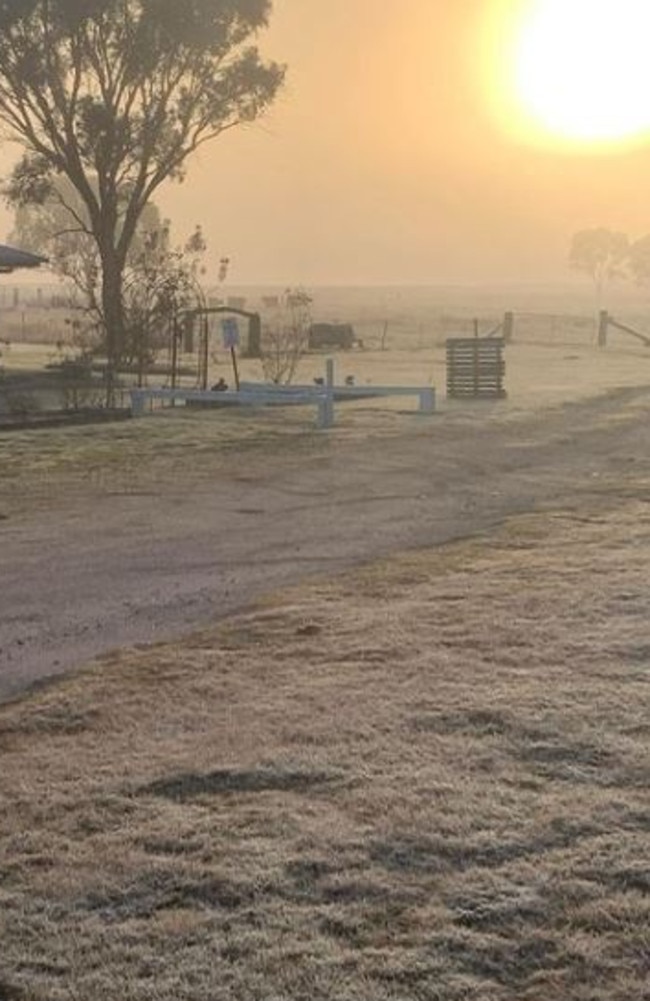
(381, 162)
(324, 575)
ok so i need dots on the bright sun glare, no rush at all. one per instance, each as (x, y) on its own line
(580, 69)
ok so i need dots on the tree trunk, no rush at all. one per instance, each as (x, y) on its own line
(113, 316)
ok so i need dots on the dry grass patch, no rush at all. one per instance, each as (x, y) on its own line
(142, 456)
(426, 780)
(39, 467)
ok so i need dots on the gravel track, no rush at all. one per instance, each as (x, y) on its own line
(147, 566)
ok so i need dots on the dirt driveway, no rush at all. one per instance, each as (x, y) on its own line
(111, 567)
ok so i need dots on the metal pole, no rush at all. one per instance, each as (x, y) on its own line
(329, 387)
(174, 351)
(233, 355)
(204, 352)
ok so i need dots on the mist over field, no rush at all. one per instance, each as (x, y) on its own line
(324, 500)
(380, 161)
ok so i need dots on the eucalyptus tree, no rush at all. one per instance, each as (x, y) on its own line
(602, 254)
(59, 227)
(116, 96)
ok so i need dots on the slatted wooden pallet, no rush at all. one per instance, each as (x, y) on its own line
(475, 368)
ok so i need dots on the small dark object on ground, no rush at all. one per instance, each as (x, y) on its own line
(309, 630)
(220, 387)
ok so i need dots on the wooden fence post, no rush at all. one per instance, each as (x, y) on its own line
(508, 328)
(603, 324)
(254, 349)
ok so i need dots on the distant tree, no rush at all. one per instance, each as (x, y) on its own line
(639, 260)
(602, 254)
(116, 95)
(59, 226)
(159, 278)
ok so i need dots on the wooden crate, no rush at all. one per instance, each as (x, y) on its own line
(475, 368)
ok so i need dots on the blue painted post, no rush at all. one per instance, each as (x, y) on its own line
(427, 400)
(329, 385)
(321, 422)
(137, 403)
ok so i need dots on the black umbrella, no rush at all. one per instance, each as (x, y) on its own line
(10, 259)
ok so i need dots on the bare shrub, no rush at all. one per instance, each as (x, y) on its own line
(286, 336)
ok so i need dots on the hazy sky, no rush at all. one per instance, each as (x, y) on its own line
(382, 161)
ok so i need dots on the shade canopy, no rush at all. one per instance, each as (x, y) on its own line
(11, 258)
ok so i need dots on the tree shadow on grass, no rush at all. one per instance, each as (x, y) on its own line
(541, 747)
(10, 993)
(158, 890)
(224, 781)
(444, 854)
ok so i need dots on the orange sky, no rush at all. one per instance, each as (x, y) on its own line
(381, 162)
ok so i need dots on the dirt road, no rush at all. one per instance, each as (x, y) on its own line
(144, 566)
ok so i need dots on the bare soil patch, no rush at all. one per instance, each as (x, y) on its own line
(424, 779)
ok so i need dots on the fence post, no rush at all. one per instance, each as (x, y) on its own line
(137, 402)
(508, 328)
(603, 324)
(329, 391)
(427, 401)
(254, 349)
(321, 420)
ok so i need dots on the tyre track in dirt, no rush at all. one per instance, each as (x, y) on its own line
(142, 568)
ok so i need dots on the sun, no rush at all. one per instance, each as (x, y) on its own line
(577, 71)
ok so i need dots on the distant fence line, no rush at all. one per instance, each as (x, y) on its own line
(420, 330)
(607, 326)
(602, 330)
(561, 327)
(514, 326)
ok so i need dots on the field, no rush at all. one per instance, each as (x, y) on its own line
(424, 780)
(401, 334)
(400, 750)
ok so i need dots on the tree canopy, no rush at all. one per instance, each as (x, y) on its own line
(639, 260)
(116, 95)
(601, 253)
(59, 226)
(158, 278)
